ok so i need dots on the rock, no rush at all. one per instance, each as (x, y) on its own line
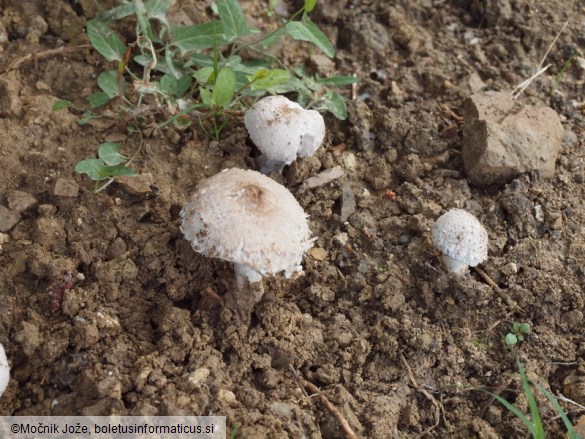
(116, 249)
(8, 219)
(66, 187)
(318, 253)
(324, 177)
(10, 104)
(138, 185)
(19, 201)
(503, 138)
(348, 203)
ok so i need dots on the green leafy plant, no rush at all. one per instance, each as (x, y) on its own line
(533, 421)
(519, 330)
(200, 74)
(108, 165)
(199, 70)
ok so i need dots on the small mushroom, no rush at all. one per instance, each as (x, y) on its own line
(4, 370)
(282, 130)
(244, 217)
(462, 239)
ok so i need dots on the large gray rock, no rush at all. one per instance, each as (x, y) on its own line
(503, 138)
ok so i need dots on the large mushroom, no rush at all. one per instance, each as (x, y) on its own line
(462, 239)
(283, 130)
(244, 217)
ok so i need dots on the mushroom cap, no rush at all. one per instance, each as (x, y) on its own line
(4, 370)
(244, 217)
(283, 130)
(461, 236)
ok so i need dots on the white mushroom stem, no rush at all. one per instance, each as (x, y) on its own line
(267, 165)
(455, 266)
(247, 277)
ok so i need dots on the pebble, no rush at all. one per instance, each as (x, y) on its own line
(138, 185)
(324, 177)
(503, 138)
(8, 219)
(348, 203)
(19, 201)
(116, 249)
(66, 187)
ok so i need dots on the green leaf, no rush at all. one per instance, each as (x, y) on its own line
(515, 410)
(524, 328)
(534, 411)
(116, 13)
(559, 409)
(337, 81)
(183, 85)
(98, 99)
(309, 5)
(205, 97)
(158, 9)
(334, 103)
(232, 19)
(110, 155)
(63, 103)
(265, 79)
(168, 84)
(86, 117)
(306, 30)
(118, 171)
(92, 167)
(224, 88)
(105, 41)
(510, 339)
(108, 82)
(142, 16)
(204, 75)
(198, 36)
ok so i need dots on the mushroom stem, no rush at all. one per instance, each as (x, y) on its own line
(267, 165)
(455, 266)
(247, 277)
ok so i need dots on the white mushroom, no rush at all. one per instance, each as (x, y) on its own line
(282, 130)
(244, 217)
(462, 239)
(4, 370)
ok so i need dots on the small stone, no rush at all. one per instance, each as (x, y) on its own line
(8, 219)
(318, 253)
(348, 203)
(227, 397)
(46, 210)
(503, 138)
(139, 185)
(116, 249)
(66, 187)
(19, 201)
(199, 376)
(573, 318)
(10, 104)
(324, 177)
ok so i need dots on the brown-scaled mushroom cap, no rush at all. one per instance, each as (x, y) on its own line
(244, 217)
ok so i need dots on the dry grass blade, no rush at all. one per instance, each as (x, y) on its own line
(524, 84)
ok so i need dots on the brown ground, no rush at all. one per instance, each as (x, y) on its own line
(140, 335)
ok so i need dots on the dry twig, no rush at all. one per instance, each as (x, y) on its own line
(422, 390)
(540, 70)
(513, 305)
(349, 434)
(45, 54)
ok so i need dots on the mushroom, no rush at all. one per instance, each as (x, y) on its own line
(462, 239)
(244, 217)
(4, 370)
(282, 130)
